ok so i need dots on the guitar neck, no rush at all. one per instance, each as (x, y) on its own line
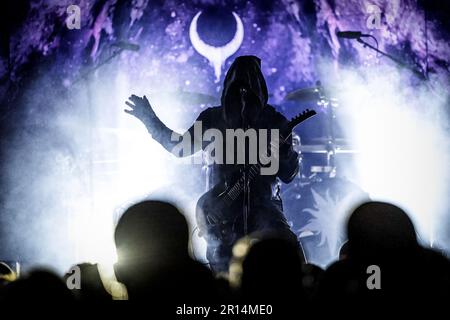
(236, 190)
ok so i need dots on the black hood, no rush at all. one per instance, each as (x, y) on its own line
(245, 72)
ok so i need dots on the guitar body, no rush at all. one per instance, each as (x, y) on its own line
(216, 216)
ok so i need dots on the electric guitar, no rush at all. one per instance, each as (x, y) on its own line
(217, 210)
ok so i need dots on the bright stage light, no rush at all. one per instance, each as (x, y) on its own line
(128, 165)
(404, 148)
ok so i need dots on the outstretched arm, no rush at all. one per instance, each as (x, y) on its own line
(141, 109)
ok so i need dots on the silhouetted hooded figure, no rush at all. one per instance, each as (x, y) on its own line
(243, 105)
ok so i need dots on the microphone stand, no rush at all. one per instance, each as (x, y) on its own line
(246, 209)
(86, 74)
(418, 73)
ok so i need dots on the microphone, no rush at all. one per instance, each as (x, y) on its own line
(126, 45)
(351, 34)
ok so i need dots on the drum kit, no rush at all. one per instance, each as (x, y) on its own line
(319, 199)
(329, 145)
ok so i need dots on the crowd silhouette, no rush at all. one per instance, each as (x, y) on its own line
(154, 265)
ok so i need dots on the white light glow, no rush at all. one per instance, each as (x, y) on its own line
(404, 149)
(128, 165)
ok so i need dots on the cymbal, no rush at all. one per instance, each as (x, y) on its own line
(325, 140)
(303, 95)
(310, 94)
(323, 149)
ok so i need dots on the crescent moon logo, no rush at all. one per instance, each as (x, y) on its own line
(216, 55)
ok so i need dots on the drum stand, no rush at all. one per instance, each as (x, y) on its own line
(328, 105)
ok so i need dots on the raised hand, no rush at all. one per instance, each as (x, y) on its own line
(141, 109)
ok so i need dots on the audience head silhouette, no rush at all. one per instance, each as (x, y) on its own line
(149, 231)
(91, 287)
(378, 228)
(152, 248)
(267, 265)
(38, 285)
